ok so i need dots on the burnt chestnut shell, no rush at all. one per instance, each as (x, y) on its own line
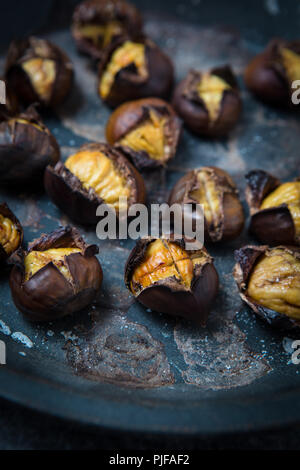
(21, 51)
(26, 147)
(48, 295)
(231, 218)
(266, 76)
(192, 109)
(246, 258)
(7, 213)
(101, 13)
(168, 295)
(67, 192)
(128, 85)
(274, 225)
(130, 115)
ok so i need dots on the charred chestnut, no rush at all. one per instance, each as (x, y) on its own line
(11, 232)
(166, 277)
(131, 70)
(274, 208)
(208, 102)
(216, 191)
(38, 71)
(26, 147)
(146, 130)
(96, 23)
(96, 174)
(270, 74)
(269, 282)
(57, 276)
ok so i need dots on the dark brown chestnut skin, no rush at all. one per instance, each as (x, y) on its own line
(80, 204)
(228, 223)
(118, 16)
(169, 294)
(128, 84)
(11, 232)
(26, 147)
(274, 225)
(267, 76)
(48, 294)
(246, 259)
(51, 72)
(192, 108)
(130, 116)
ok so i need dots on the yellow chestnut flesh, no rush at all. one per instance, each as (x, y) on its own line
(101, 35)
(95, 170)
(128, 53)
(42, 74)
(275, 282)
(291, 63)
(26, 123)
(9, 235)
(36, 260)
(162, 260)
(211, 89)
(288, 193)
(149, 137)
(208, 194)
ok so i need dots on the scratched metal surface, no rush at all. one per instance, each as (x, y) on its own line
(117, 364)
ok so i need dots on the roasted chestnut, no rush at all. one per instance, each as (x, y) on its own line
(208, 102)
(96, 174)
(269, 282)
(216, 191)
(38, 71)
(26, 147)
(131, 70)
(96, 23)
(11, 106)
(146, 130)
(11, 232)
(58, 275)
(270, 74)
(166, 277)
(274, 208)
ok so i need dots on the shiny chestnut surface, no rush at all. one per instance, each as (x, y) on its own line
(274, 208)
(95, 175)
(268, 279)
(166, 277)
(97, 23)
(270, 74)
(208, 102)
(132, 70)
(146, 130)
(58, 275)
(215, 190)
(38, 71)
(26, 147)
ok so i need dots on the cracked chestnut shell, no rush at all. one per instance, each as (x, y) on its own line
(217, 192)
(131, 70)
(165, 277)
(26, 147)
(94, 175)
(269, 282)
(270, 74)
(274, 208)
(208, 102)
(11, 232)
(38, 71)
(147, 131)
(58, 275)
(96, 23)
